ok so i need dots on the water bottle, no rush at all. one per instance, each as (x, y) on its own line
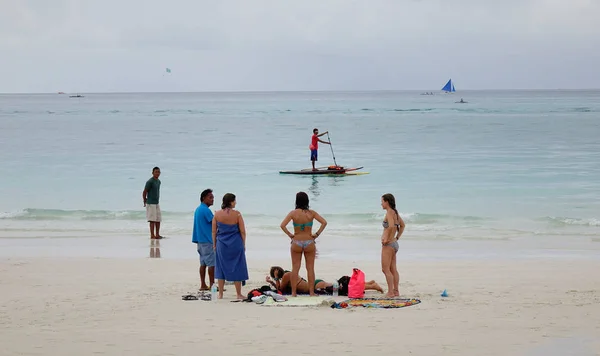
(335, 288)
(213, 292)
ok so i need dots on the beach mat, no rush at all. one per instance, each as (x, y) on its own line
(300, 301)
(376, 303)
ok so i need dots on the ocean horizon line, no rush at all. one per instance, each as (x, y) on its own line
(307, 91)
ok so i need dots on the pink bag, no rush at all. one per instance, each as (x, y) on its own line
(356, 286)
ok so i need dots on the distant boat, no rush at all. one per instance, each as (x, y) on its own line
(76, 96)
(449, 87)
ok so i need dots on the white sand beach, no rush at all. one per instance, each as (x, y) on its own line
(73, 306)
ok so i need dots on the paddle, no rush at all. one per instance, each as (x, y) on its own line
(331, 146)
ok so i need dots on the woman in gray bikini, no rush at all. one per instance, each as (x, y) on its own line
(303, 240)
(393, 227)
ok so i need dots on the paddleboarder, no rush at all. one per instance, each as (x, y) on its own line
(314, 145)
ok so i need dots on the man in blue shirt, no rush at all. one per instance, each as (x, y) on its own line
(202, 237)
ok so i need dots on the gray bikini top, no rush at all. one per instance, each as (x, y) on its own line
(386, 225)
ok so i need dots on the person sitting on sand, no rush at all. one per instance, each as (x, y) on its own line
(280, 279)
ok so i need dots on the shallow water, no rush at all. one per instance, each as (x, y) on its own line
(506, 166)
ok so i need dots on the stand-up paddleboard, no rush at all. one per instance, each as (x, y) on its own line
(355, 173)
(332, 170)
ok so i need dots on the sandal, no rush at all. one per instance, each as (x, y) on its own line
(206, 297)
(189, 297)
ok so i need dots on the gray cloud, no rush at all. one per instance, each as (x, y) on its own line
(110, 45)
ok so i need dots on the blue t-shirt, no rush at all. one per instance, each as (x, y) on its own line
(202, 232)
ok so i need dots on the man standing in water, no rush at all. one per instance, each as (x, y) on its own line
(202, 237)
(314, 145)
(151, 195)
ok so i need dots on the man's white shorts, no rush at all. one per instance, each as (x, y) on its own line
(153, 212)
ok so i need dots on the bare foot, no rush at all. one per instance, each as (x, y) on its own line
(294, 295)
(313, 295)
(388, 295)
(203, 288)
(241, 297)
(220, 296)
(396, 293)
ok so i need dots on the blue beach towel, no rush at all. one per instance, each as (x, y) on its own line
(230, 254)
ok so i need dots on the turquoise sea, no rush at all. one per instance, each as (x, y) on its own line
(510, 172)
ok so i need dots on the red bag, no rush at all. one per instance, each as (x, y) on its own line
(356, 287)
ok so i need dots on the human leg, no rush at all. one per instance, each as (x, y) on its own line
(202, 272)
(150, 217)
(221, 283)
(211, 275)
(386, 261)
(309, 258)
(372, 285)
(296, 254)
(394, 269)
(151, 223)
(207, 261)
(321, 284)
(238, 289)
(157, 230)
(157, 220)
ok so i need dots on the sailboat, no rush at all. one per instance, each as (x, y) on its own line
(449, 87)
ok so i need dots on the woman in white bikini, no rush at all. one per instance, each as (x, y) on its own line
(393, 227)
(303, 240)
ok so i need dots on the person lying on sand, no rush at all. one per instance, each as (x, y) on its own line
(281, 280)
(369, 285)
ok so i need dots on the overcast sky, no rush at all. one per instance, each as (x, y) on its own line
(222, 45)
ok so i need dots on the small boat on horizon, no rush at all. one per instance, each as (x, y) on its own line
(76, 96)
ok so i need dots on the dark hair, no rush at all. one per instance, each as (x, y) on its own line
(155, 168)
(302, 201)
(278, 269)
(389, 198)
(315, 129)
(205, 193)
(343, 282)
(227, 200)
